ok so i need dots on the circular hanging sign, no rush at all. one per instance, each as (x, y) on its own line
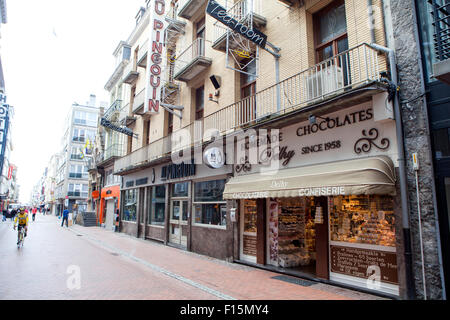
(214, 158)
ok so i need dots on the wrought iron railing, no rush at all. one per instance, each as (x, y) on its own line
(115, 107)
(441, 24)
(349, 69)
(194, 50)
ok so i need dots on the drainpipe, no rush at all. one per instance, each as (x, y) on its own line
(402, 172)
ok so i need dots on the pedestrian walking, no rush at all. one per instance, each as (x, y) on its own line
(65, 218)
(5, 213)
(13, 214)
(33, 212)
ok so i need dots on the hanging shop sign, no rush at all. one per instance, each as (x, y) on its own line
(176, 171)
(107, 124)
(214, 158)
(219, 13)
(156, 52)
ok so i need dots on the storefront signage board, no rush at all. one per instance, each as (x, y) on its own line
(156, 57)
(348, 134)
(361, 263)
(219, 13)
(107, 124)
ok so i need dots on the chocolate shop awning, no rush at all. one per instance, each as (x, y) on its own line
(352, 177)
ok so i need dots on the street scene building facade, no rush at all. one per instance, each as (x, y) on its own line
(71, 190)
(304, 137)
(8, 171)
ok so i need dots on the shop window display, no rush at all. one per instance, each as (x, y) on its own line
(363, 219)
(296, 232)
(209, 207)
(129, 212)
(158, 205)
(250, 228)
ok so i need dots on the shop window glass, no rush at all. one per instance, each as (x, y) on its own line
(158, 205)
(209, 191)
(180, 189)
(130, 205)
(211, 214)
(363, 219)
(209, 207)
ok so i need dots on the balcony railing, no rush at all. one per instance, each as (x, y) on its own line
(142, 55)
(115, 150)
(348, 70)
(115, 108)
(139, 100)
(191, 61)
(174, 142)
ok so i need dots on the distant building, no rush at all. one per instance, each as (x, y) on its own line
(77, 144)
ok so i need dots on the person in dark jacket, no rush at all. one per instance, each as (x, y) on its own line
(65, 218)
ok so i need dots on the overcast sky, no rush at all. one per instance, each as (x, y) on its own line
(54, 53)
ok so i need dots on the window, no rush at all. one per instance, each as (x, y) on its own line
(76, 154)
(248, 91)
(209, 207)
(78, 172)
(331, 31)
(79, 135)
(85, 118)
(169, 123)
(199, 102)
(130, 205)
(365, 219)
(158, 205)
(78, 190)
(180, 190)
(200, 36)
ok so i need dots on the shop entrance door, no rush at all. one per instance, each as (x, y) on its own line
(179, 222)
(110, 209)
(249, 231)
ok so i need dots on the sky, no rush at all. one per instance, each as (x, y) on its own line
(55, 53)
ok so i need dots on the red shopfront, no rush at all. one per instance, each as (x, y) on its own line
(109, 203)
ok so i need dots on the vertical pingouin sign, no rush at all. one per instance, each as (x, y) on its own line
(156, 63)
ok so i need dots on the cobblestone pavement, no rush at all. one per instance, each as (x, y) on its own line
(92, 263)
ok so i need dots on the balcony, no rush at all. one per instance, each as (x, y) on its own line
(441, 16)
(113, 110)
(130, 74)
(138, 102)
(175, 27)
(244, 12)
(351, 70)
(191, 61)
(188, 8)
(112, 152)
(142, 55)
(155, 151)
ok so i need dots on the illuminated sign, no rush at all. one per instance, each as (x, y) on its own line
(156, 51)
(219, 13)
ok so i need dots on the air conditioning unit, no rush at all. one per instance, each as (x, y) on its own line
(324, 82)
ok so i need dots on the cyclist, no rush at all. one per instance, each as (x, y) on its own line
(22, 219)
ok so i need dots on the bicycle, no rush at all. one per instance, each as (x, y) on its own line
(21, 237)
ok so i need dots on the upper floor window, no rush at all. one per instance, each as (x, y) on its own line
(330, 27)
(85, 118)
(199, 102)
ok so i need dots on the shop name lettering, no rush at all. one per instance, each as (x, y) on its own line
(331, 123)
(175, 171)
(156, 50)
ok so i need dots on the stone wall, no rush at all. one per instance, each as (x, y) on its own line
(416, 139)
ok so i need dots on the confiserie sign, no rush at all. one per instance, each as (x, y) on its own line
(218, 12)
(107, 124)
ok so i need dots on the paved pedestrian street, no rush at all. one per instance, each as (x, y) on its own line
(92, 263)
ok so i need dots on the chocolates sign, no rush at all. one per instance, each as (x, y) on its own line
(364, 263)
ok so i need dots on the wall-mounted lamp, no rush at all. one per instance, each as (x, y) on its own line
(211, 98)
(312, 119)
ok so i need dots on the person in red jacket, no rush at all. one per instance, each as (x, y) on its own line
(33, 212)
